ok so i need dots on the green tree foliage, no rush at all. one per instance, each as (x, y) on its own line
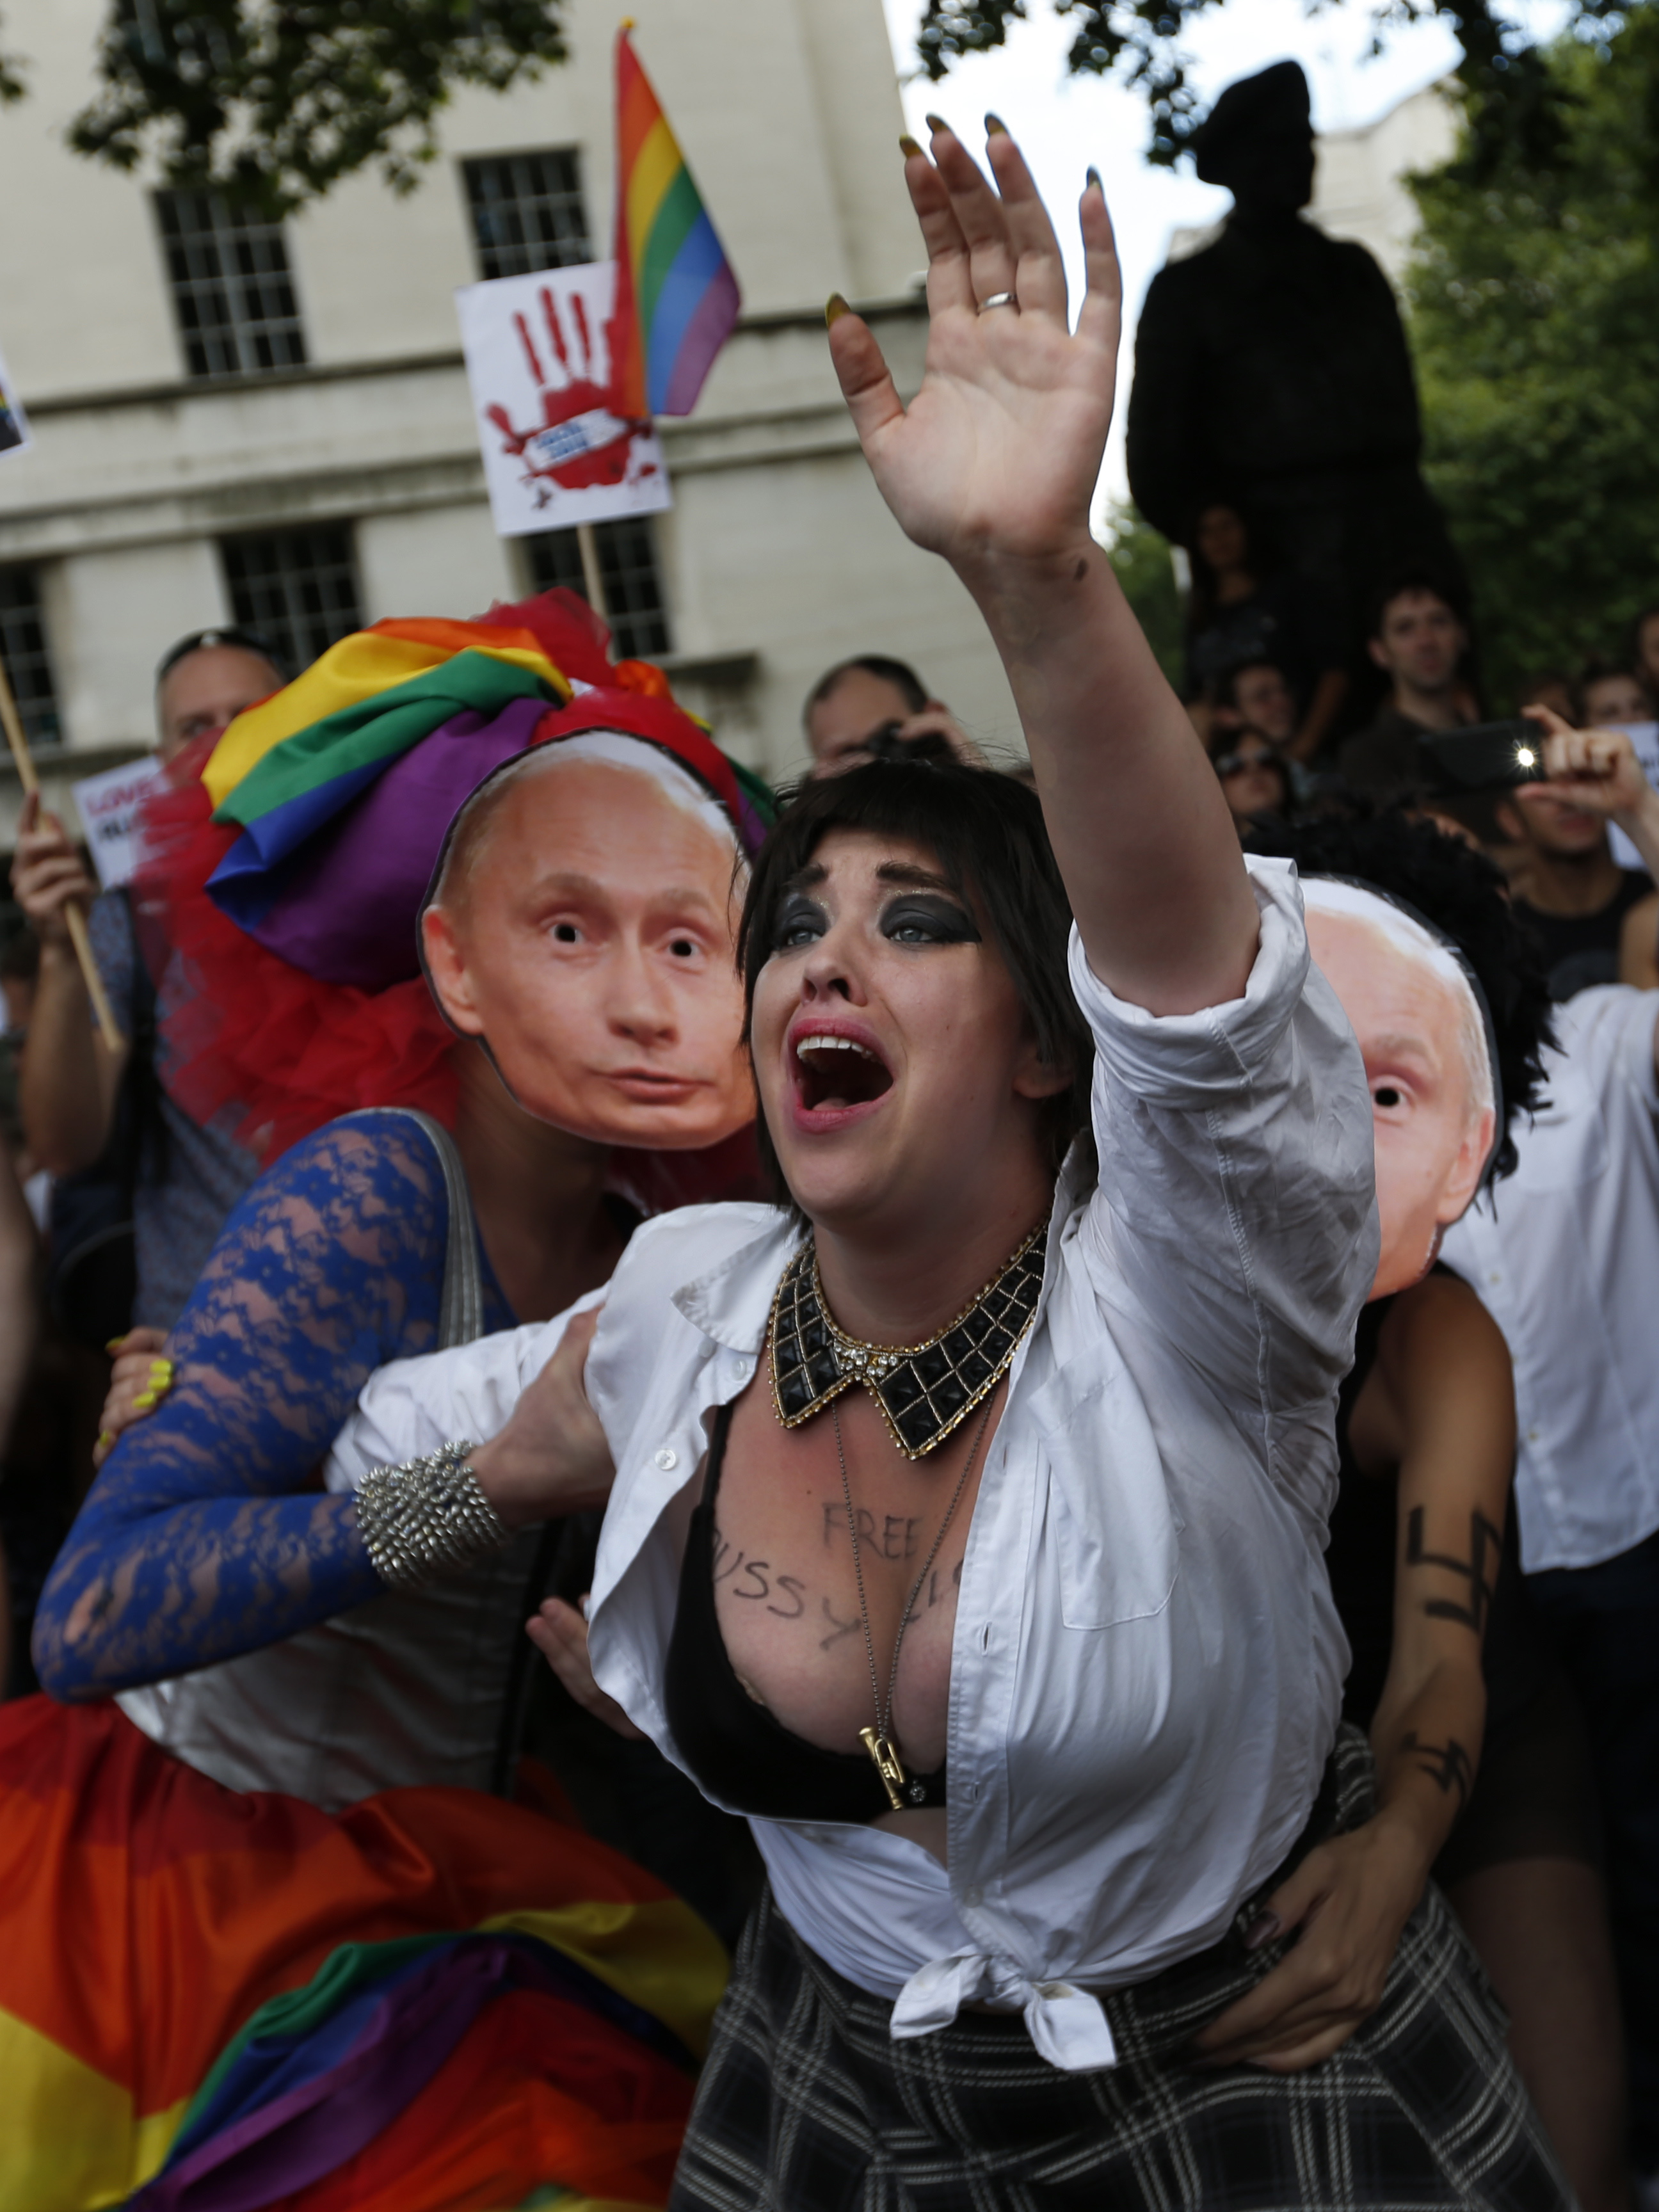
(273, 102)
(1141, 560)
(1535, 317)
(1510, 90)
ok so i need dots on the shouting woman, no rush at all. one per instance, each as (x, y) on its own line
(968, 1503)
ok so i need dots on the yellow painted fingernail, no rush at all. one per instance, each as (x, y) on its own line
(143, 1404)
(908, 145)
(936, 122)
(162, 1367)
(106, 1436)
(115, 1344)
(995, 127)
(835, 307)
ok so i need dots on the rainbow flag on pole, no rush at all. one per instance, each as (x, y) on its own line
(676, 298)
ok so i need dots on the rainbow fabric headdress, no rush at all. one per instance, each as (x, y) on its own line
(344, 784)
(296, 906)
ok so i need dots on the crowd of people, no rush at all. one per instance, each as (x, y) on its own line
(1261, 709)
(1053, 1355)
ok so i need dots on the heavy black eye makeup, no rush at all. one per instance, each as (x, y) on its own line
(926, 918)
(801, 920)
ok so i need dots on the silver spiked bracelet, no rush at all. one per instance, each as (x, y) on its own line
(426, 1516)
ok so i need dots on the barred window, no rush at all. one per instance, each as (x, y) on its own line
(527, 212)
(630, 583)
(233, 292)
(296, 587)
(29, 662)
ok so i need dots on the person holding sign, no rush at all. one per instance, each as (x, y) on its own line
(105, 1121)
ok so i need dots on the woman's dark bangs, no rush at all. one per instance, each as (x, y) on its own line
(987, 834)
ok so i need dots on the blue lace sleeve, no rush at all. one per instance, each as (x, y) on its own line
(206, 1534)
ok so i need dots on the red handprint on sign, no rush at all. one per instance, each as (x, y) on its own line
(580, 441)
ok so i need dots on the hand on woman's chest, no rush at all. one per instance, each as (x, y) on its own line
(786, 1588)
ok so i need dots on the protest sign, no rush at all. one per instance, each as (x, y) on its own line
(1644, 736)
(556, 450)
(14, 436)
(108, 805)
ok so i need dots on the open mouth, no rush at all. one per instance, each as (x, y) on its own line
(836, 1073)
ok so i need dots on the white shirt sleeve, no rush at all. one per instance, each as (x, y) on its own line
(1236, 1201)
(408, 1409)
(1607, 1037)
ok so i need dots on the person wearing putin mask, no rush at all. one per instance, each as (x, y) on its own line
(485, 1012)
(1450, 1671)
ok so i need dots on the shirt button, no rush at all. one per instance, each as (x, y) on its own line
(975, 1896)
(668, 1459)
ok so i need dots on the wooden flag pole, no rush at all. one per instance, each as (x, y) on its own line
(108, 1026)
(592, 575)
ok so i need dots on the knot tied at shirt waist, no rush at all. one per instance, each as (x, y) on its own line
(1068, 2025)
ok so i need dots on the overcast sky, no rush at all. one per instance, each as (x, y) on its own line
(1066, 123)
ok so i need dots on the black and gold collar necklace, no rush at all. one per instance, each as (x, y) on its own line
(924, 1390)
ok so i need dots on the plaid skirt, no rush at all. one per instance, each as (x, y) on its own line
(807, 2105)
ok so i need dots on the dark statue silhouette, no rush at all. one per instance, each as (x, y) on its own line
(1272, 373)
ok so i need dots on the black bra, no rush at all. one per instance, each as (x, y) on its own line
(733, 1745)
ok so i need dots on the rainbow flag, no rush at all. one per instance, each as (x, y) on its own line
(676, 298)
(434, 2002)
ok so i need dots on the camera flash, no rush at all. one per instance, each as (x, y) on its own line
(1525, 756)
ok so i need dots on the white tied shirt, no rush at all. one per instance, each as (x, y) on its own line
(1147, 1667)
(1565, 1255)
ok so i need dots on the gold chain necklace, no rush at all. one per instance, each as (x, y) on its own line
(878, 1740)
(925, 1391)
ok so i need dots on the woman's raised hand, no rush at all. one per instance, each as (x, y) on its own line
(996, 457)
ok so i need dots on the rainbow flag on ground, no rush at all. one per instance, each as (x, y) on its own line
(676, 298)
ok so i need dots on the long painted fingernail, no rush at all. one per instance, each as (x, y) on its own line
(835, 307)
(908, 146)
(161, 1371)
(143, 1404)
(995, 127)
(936, 122)
(1093, 179)
(106, 1436)
(1262, 1929)
(115, 1344)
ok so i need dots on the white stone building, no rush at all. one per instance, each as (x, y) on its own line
(236, 423)
(1360, 179)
